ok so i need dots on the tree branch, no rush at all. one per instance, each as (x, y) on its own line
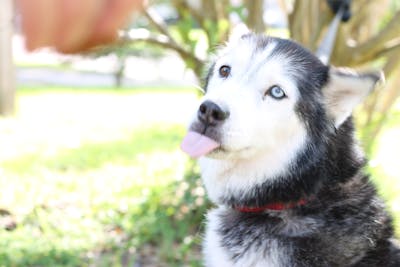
(182, 4)
(209, 8)
(143, 35)
(255, 11)
(393, 45)
(223, 9)
(157, 21)
(285, 7)
(367, 50)
(392, 62)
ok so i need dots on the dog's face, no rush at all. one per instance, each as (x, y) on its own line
(268, 100)
(255, 83)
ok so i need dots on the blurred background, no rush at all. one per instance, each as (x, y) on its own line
(90, 169)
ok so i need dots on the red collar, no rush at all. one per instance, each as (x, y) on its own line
(278, 206)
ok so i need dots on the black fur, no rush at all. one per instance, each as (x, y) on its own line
(348, 227)
(208, 76)
(348, 222)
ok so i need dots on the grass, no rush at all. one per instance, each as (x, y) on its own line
(384, 165)
(76, 164)
(95, 155)
(94, 177)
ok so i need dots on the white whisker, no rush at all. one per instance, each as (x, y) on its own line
(199, 88)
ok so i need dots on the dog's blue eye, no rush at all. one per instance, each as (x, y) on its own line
(276, 92)
(224, 71)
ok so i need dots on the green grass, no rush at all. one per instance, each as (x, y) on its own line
(94, 156)
(384, 165)
(94, 177)
(80, 170)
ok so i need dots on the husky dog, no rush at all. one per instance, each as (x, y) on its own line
(276, 147)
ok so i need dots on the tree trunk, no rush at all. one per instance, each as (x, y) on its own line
(255, 20)
(7, 72)
(119, 73)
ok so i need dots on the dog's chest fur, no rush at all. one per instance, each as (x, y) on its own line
(325, 232)
(242, 245)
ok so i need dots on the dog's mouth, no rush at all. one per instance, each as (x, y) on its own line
(205, 140)
(197, 145)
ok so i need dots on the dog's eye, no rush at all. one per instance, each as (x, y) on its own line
(224, 71)
(276, 92)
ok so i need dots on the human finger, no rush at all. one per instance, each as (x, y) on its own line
(76, 23)
(38, 21)
(115, 14)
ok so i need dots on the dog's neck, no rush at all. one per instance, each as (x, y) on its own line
(277, 206)
(251, 184)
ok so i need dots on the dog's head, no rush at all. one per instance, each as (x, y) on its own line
(267, 102)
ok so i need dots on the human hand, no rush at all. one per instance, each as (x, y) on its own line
(72, 26)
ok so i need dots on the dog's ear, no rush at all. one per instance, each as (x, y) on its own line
(237, 32)
(346, 89)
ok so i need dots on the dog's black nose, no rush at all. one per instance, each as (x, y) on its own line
(211, 114)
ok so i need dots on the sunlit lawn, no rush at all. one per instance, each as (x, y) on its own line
(385, 167)
(83, 172)
(72, 160)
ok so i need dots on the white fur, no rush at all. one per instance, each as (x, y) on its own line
(345, 90)
(237, 32)
(215, 254)
(298, 226)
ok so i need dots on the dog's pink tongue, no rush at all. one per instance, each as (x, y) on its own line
(197, 145)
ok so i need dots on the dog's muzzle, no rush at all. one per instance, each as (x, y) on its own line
(203, 136)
